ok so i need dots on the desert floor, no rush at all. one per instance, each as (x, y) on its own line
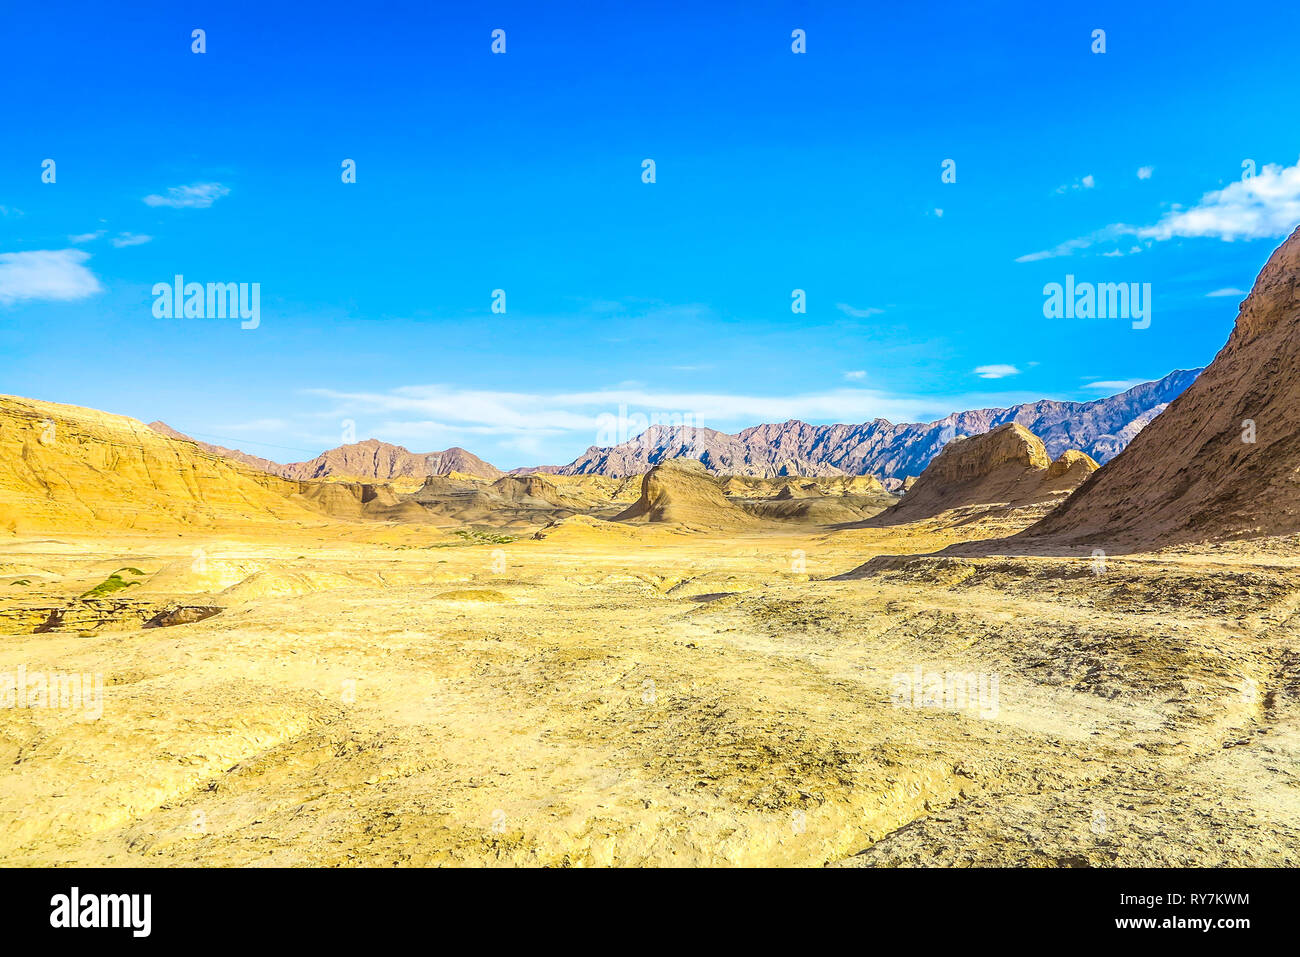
(652, 698)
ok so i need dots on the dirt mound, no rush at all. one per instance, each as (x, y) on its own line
(533, 491)
(473, 595)
(279, 581)
(356, 501)
(682, 490)
(796, 490)
(1223, 460)
(861, 485)
(1007, 467)
(584, 528)
(200, 574)
(822, 509)
(511, 501)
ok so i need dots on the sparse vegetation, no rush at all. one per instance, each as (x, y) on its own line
(476, 536)
(114, 583)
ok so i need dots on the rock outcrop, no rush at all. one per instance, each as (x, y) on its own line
(683, 491)
(1007, 467)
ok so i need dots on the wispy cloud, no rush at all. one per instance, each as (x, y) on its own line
(193, 196)
(996, 371)
(1263, 206)
(130, 239)
(427, 410)
(1084, 182)
(1230, 291)
(867, 313)
(857, 375)
(86, 237)
(1144, 172)
(52, 274)
(1064, 249)
(1112, 386)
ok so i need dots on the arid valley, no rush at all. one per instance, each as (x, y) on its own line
(1017, 658)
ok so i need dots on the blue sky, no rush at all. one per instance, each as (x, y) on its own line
(775, 171)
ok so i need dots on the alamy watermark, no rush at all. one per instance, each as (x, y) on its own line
(612, 429)
(1103, 300)
(215, 300)
(946, 690)
(37, 689)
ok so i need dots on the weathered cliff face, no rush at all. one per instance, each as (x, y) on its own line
(1223, 461)
(68, 468)
(243, 458)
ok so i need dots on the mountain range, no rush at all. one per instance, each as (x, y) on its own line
(370, 460)
(1101, 428)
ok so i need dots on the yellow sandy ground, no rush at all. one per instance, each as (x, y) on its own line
(651, 697)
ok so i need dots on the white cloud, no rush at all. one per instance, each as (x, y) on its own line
(194, 196)
(86, 237)
(848, 310)
(130, 239)
(996, 371)
(56, 274)
(1264, 206)
(432, 409)
(938, 212)
(856, 375)
(1230, 291)
(1144, 172)
(1085, 182)
(1112, 386)
(1064, 249)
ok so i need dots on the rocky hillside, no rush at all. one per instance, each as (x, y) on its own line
(368, 461)
(1008, 466)
(67, 468)
(243, 458)
(382, 462)
(1101, 428)
(1224, 460)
